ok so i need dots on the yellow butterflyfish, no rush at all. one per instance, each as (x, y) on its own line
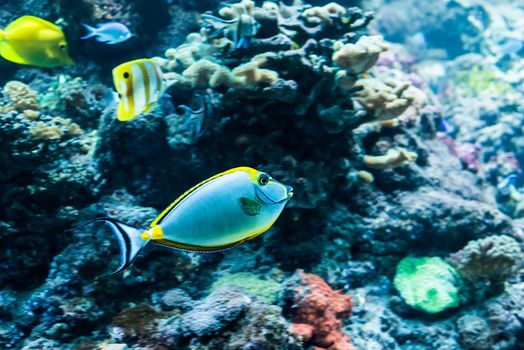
(219, 213)
(33, 41)
(140, 84)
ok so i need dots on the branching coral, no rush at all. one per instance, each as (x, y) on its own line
(54, 129)
(324, 14)
(395, 157)
(361, 56)
(386, 99)
(206, 73)
(487, 263)
(317, 311)
(23, 98)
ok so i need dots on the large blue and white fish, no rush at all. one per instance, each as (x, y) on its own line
(109, 33)
(140, 84)
(219, 213)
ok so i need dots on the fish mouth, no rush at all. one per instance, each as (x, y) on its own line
(264, 198)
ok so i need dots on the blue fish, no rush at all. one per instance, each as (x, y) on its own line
(507, 182)
(446, 126)
(109, 33)
(510, 46)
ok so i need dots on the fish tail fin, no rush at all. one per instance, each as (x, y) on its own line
(129, 239)
(91, 31)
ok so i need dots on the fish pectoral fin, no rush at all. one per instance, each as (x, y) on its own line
(250, 206)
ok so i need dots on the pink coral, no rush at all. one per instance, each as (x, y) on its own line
(319, 312)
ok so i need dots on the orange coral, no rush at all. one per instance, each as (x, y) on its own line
(319, 314)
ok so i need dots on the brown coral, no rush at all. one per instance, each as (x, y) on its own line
(55, 129)
(21, 96)
(392, 159)
(324, 14)
(206, 73)
(386, 99)
(488, 262)
(361, 56)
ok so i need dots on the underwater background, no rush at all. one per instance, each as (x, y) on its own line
(399, 124)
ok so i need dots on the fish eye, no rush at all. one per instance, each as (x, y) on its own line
(62, 46)
(263, 179)
(126, 75)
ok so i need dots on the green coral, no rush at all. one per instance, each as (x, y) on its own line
(266, 290)
(477, 80)
(428, 284)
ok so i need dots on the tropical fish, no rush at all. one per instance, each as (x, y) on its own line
(140, 84)
(109, 33)
(510, 46)
(446, 126)
(219, 213)
(240, 29)
(34, 41)
(506, 183)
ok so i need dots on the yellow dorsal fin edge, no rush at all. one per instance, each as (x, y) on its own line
(252, 173)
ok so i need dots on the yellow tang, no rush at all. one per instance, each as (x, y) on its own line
(34, 41)
(140, 84)
(218, 213)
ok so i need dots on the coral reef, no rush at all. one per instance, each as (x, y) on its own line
(22, 97)
(392, 150)
(486, 264)
(361, 56)
(267, 290)
(392, 159)
(317, 311)
(427, 284)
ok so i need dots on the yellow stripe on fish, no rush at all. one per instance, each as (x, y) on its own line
(252, 174)
(140, 84)
(219, 213)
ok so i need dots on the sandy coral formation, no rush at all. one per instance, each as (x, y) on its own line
(206, 73)
(317, 311)
(486, 264)
(385, 99)
(361, 56)
(324, 14)
(392, 159)
(23, 98)
(55, 129)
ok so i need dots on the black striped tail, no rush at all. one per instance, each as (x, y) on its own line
(128, 237)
